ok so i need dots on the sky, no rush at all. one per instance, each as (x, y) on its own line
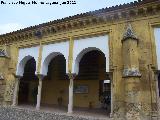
(17, 16)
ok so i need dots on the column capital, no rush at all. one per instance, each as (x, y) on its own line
(71, 75)
(40, 76)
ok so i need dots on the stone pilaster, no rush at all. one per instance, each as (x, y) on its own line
(16, 90)
(1, 88)
(118, 110)
(9, 89)
(131, 75)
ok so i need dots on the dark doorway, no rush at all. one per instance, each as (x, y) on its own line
(92, 74)
(28, 86)
(55, 85)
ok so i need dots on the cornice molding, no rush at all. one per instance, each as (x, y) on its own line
(105, 15)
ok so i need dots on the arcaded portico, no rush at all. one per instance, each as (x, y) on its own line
(107, 59)
(72, 51)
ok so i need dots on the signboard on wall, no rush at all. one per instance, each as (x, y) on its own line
(80, 89)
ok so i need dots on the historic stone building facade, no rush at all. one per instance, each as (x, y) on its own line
(65, 62)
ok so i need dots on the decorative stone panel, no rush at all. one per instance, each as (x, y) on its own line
(129, 34)
(131, 72)
(3, 53)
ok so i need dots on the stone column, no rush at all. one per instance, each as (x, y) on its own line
(131, 75)
(70, 105)
(39, 92)
(16, 90)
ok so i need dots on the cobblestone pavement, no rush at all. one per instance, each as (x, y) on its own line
(20, 113)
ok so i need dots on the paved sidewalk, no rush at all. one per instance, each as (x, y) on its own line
(29, 113)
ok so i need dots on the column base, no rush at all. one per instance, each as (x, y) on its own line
(37, 108)
(111, 115)
(70, 109)
(13, 105)
(69, 112)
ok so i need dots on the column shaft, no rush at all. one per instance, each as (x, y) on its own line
(39, 94)
(70, 105)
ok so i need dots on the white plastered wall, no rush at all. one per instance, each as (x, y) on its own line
(52, 50)
(85, 45)
(157, 42)
(24, 55)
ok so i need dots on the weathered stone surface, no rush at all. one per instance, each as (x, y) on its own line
(3, 53)
(132, 62)
(131, 72)
(1, 76)
(14, 113)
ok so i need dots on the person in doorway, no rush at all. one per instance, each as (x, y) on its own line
(34, 94)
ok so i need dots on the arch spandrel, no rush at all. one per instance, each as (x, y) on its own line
(24, 55)
(52, 50)
(83, 46)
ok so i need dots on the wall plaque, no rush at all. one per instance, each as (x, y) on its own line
(80, 89)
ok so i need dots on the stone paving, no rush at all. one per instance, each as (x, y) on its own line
(20, 113)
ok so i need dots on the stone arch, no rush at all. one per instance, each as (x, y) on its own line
(24, 55)
(90, 67)
(28, 84)
(84, 45)
(21, 65)
(47, 60)
(81, 54)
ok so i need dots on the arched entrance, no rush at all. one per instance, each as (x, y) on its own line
(55, 84)
(92, 86)
(28, 84)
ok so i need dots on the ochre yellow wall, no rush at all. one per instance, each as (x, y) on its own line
(143, 26)
(51, 91)
(83, 100)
